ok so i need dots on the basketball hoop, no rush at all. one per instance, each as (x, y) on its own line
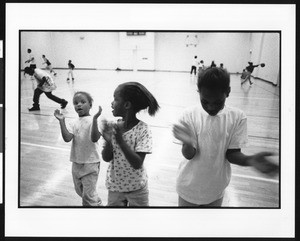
(191, 40)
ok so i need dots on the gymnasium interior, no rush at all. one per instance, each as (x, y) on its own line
(160, 60)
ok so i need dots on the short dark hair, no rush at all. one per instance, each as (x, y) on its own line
(214, 78)
(86, 94)
(28, 70)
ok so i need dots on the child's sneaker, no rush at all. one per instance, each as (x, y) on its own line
(64, 104)
(33, 108)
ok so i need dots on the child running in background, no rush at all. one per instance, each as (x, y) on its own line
(85, 153)
(45, 84)
(126, 144)
(70, 72)
(32, 64)
(194, 66)
(212, 135)
(201, 67)
(48, 65)
(246, 75)
(31, 59)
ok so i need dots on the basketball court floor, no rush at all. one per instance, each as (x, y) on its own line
(45, 177)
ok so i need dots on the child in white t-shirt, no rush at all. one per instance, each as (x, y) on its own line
(85, 153)
(48, 65)
(31, 59)
(71, 68)
(194, 66)
(212, 136)
(45, 84)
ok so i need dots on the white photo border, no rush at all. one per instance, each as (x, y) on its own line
(49, 222)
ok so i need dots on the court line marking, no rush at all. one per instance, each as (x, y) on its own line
(256, 178)
(278, 95)
(44, 146)
(235, 175)
(36, 197)
(50, 185)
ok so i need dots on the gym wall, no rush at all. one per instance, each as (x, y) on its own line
(160, 51)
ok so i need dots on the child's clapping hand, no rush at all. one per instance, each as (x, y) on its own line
(110, 129)
(98, 113)
(118, 131)
(58, 115)
(107, 131)
(260, 162)
(183, 133)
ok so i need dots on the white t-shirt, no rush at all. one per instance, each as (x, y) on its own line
(83, 150)
(49, 85)
(121, 176)
(195, 62)
(204, 178)
(30, 56)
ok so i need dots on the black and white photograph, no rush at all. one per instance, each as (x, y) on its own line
(2, 142)
(116, 117)
(105, 60)
(1, 121)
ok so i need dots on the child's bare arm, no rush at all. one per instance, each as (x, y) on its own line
(67, 136)
(95, 134)
(136, 159)
(259, 161)
(185, 135)
(29, 60)
(107, 152)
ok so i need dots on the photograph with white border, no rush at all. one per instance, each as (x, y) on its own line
(150, 222)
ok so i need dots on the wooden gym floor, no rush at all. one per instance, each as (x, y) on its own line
(45, 170)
